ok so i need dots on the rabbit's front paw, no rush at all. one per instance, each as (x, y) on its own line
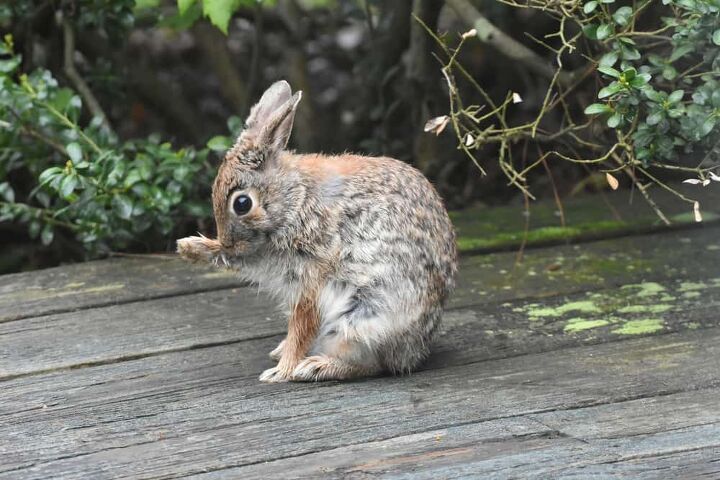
(275, 375)
(277, 352)
(198, 249)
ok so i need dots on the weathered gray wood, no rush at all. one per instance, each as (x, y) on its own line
(468, 334)
(550, 458)
(701, 463)
(164, 384)
(100, 283)
(587, 217)
(133, 330)
(649, 428)
(588, 266)
(483, 278)
(187, 412)
(645, 416)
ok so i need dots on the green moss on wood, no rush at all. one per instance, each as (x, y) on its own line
(656, 308)
(640, 327)
(632, 309)
(580, 324)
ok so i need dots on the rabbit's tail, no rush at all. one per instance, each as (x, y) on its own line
(401, 354)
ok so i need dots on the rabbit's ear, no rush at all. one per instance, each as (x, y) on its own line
(276, 129)
(274, 97)
(268, 126)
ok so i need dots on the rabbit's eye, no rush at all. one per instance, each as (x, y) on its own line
(242, 205)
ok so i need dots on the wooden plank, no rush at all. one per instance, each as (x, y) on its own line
(484, 278)
(586, 216)
(195, 411)
(645, 416)
(488, 229)
(588, 266)
(648, 428)
(108, 282)
(552, 458)
(407, 455)
(701, 463)
(468, 334)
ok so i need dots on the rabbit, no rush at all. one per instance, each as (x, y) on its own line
(360, 249)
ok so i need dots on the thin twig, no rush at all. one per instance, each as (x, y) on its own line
(69, 66)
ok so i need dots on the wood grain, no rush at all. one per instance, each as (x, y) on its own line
(187, 412)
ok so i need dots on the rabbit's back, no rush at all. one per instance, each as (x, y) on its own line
(397, 256)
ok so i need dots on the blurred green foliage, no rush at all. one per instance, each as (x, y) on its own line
(110, 194)
(667, 103)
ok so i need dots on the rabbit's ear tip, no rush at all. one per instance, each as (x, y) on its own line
(281, 84)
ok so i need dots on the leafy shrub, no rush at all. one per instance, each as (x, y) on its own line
(646, 98)
(659, 64)
(110, 195)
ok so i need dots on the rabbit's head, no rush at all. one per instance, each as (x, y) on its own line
(255, 198)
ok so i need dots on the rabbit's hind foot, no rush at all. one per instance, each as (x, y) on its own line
(318, 368)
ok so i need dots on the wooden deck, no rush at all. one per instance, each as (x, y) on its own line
(598, 359)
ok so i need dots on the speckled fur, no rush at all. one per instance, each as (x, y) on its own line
(359, 250)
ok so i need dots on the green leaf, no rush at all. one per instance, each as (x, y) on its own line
(611, 89)
(680, 52)
(49, 174)
(590, 7)
(629, 53)
(614, 120)
(123, 206)
(676, 112)
(715, 98)
(219, 12)
(47, 235)
(609, 59)
(609, 71)
(74, 152)
(144, 4)
(132, 178)
(629, 74)
(234, 125)
(183, 20)
(34, 229)
(622, 15)
(604, 31)
(7, 192)
(669, 72)
(184, 5)
(707, 126)
(716, 37)
(639, 81)
(219, 143)
(8, 66)
(597, 108)
(654, 118)
(676, 96)
(67, 186)
(590, 31)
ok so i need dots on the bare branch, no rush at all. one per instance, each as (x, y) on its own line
(508, 46)
(69, 66)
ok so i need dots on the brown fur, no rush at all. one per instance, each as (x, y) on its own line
(360, 248)
(322, 166)
(302, 330)
(198, 249)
